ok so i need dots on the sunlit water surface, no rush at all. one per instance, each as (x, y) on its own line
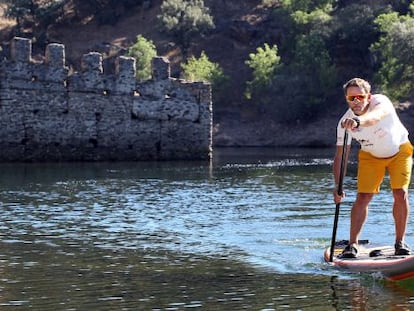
(244, 232)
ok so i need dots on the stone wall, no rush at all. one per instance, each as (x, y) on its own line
(49, 114)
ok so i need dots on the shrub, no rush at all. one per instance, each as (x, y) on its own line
(34, 13)
(143, 51)
(264, 64)
(185, 19)
(202, 69)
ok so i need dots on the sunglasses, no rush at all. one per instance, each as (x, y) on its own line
(359, 97)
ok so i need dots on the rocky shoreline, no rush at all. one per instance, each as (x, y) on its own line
(261, 133)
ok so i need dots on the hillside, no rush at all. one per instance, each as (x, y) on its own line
(229, 45)
(241, 26)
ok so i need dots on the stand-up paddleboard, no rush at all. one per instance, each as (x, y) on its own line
(373, 259)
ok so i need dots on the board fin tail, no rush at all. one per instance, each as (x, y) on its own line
(376, 253)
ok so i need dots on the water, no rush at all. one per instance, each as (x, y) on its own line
(245, 232)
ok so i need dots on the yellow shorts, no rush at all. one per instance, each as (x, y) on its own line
(371, 170)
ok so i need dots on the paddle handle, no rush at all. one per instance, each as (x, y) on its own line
(340, 192)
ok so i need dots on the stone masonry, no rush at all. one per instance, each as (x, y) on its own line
(48, 114)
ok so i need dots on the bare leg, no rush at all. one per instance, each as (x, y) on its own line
(400, 212)
(359, 214)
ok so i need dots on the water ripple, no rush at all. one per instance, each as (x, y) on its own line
(106, 230)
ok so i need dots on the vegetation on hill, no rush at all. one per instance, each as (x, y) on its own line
(283, 59)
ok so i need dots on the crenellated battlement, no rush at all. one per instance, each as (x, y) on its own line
(49, 114)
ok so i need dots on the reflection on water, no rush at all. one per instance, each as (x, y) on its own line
(246, 231)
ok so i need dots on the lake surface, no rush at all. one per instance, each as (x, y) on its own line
(244, 232)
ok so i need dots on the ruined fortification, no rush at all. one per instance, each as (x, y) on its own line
(48, 114)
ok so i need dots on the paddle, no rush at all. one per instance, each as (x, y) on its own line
(340, 184)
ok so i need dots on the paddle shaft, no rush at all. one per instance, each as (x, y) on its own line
(340, 191)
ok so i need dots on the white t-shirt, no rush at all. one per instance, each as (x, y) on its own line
(383, 139)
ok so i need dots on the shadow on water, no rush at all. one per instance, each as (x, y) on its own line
(244, 232)
(40, 273)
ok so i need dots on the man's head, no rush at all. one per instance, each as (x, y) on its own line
(360, 83)
(358, 94)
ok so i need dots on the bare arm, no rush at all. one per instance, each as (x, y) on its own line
(378, 112)
(337, 170)
(372, 117)
(337, 162)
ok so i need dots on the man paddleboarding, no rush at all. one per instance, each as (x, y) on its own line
(373, 122)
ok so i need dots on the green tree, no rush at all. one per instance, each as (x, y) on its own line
(185, 19)
(302, 89)
(307, 5)
(143, 51)
(297, 17)
(352, 37)
(264, 64)
(202, 69)
(393, 52)
(306, 77)
(36, 13)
